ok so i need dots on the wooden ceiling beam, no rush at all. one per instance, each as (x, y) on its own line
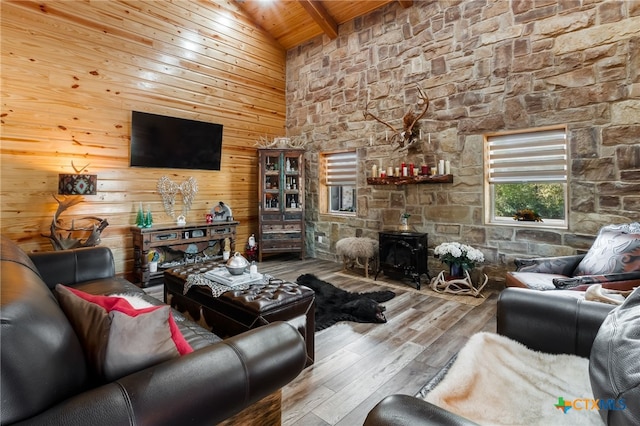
(320, 16)
(405, 3)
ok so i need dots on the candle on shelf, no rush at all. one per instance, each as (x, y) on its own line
(415, 172)
(447, 167)
(424, 170)
(411, 169)
(389, 171)
(374, 171)
(441, 167)
(383, 174)
(403, 168)
(397, 173)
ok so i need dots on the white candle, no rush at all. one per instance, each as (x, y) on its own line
(441, 167)
(429, 138)
(447, 167)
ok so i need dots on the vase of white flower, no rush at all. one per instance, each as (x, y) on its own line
(456, 270)
(459, 257)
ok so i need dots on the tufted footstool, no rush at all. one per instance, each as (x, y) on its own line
(354, 249)
(237, 311)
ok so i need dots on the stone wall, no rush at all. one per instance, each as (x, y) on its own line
(487, 66)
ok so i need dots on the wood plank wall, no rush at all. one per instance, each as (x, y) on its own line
(72, 72)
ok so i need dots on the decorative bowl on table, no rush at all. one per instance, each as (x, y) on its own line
(237, 264)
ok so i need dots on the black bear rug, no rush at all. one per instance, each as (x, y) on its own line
(334, 304)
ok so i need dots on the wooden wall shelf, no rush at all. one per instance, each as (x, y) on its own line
(410, 180)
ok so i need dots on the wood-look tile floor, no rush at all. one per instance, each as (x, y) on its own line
(357, 365)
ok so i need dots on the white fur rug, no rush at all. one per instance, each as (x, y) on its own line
(498, 381)
(134, 300)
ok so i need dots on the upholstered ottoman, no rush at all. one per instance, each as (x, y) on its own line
(354, 249)
(237, 311)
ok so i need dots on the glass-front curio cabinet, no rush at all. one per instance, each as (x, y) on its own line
(281, 205)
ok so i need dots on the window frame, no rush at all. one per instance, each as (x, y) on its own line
(490, 217)
(324, 185)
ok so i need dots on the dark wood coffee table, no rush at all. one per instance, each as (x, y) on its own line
(237, 311)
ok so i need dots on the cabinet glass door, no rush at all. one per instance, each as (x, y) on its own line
(272, 182)
(292, 193)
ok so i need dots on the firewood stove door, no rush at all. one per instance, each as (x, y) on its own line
(403, 255)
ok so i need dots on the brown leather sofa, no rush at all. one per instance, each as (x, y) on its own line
(45, 378)
(612, 261)
(554, 323)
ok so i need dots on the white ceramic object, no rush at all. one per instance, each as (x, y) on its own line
(237, 264)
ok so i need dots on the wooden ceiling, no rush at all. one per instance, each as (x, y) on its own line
(292, 22)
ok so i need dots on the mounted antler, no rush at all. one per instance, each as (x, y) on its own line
(409, 132)
(60, 242)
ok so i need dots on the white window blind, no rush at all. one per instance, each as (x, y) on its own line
(341, 169)
(539, 156)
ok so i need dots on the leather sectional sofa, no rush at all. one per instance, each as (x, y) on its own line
(46, 377)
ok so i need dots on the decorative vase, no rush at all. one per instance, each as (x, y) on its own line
(456, 271)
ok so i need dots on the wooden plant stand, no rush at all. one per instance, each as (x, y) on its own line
(460, 286)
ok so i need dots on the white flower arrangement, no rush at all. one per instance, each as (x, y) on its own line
(461, 254)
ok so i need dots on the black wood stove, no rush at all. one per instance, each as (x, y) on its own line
(403, 255)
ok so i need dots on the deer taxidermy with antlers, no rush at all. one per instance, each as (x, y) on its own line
(409, 134)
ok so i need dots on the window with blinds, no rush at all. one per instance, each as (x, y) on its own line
(528, 157)
(527, 171)
(340, 169)
(339, 178)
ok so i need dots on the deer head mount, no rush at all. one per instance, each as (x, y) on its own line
(405, 137)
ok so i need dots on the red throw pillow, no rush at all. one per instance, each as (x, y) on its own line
(117, 338)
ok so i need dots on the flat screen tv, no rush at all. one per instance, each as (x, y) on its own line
(174, 143)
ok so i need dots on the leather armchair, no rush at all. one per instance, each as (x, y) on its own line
(613, 261)
(543, 321)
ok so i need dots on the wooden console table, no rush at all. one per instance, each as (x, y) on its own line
(173, 241)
